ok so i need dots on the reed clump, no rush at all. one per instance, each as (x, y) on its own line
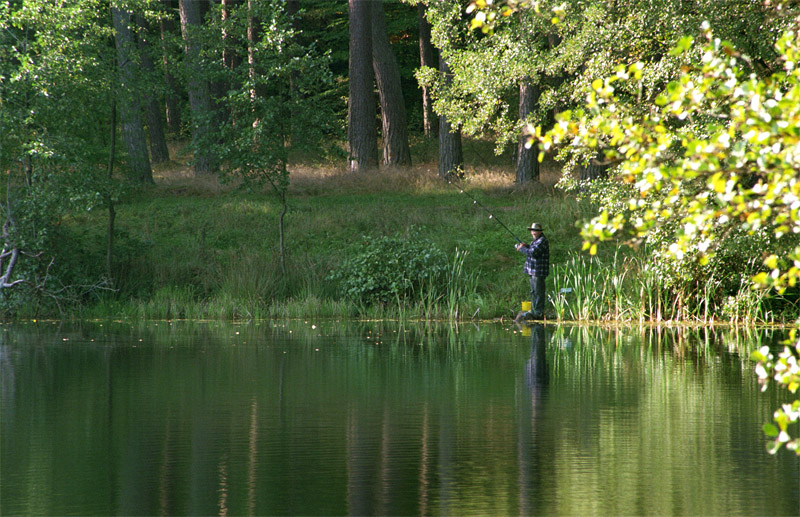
(628, 287)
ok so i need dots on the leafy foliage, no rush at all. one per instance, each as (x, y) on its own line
(784, 370)
(275, 98)
(388, 269)
(713, 165)
(562, 46)
(707, 152)
(57, 78)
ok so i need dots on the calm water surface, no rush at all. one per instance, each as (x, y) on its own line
(332, 418)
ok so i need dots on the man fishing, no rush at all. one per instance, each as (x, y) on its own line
(537, 266)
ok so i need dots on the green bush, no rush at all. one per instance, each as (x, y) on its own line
(391, 268)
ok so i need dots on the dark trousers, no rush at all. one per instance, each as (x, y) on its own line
(537, 296)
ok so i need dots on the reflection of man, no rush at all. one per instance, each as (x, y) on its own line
(537, 435)
(537, 266)
(536, 371)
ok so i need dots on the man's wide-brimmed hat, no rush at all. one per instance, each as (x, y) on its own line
(536, 226)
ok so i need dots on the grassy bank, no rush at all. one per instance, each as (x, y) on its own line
(188, 251)
(190, 248)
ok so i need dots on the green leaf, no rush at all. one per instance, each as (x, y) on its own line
(683, 45)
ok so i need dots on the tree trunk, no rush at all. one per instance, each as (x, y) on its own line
(292, 8)
(396, 150)
(281, 245)
(199, 94)
(361, 133)
(172, 99)
(427, 57)
(130, 110)
(218, 87)
(295, 128)
(253, 35)
(229, 57)
(159, 152)
(109, 199)
(596, 169)
(527, 158)
(451, 156)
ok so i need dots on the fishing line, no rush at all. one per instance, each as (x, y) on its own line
(491, 215)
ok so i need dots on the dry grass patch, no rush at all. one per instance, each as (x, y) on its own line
(311, 180)
(325, 180)
(178, 176)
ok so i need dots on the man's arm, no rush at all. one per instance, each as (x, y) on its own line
(536, 248)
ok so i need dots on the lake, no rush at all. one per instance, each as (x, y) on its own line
(383, 418)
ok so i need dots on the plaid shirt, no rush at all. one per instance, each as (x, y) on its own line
(537, 262)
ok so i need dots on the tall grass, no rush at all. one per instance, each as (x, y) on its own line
(619, 288)
(462, 287)
(629, 288)
(588, 289)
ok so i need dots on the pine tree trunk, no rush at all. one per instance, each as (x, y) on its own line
(427, 58)
(199, 94)
(292, 8)
(130, 110)
(527, 158)
(361, 133)
(159, 152)
(295, 128)
(112, 214)
(253, 35)
(451, 156)
(229, 57)
(396, 150)
(172, 99)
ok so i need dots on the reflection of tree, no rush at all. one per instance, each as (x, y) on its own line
(359, 467)
(378, 419)
(424, 460)
(252, 458)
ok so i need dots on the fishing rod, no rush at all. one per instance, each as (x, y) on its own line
(491, 215)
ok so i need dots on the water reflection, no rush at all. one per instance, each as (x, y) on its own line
(372, 418)
(533, 437)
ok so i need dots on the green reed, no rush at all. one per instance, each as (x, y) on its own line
(629, 288)
(450, 296)
(581, 285)
(462, 286)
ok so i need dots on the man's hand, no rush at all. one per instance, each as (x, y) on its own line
(520, 246)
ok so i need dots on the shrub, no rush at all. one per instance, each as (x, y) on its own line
(391, 268)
